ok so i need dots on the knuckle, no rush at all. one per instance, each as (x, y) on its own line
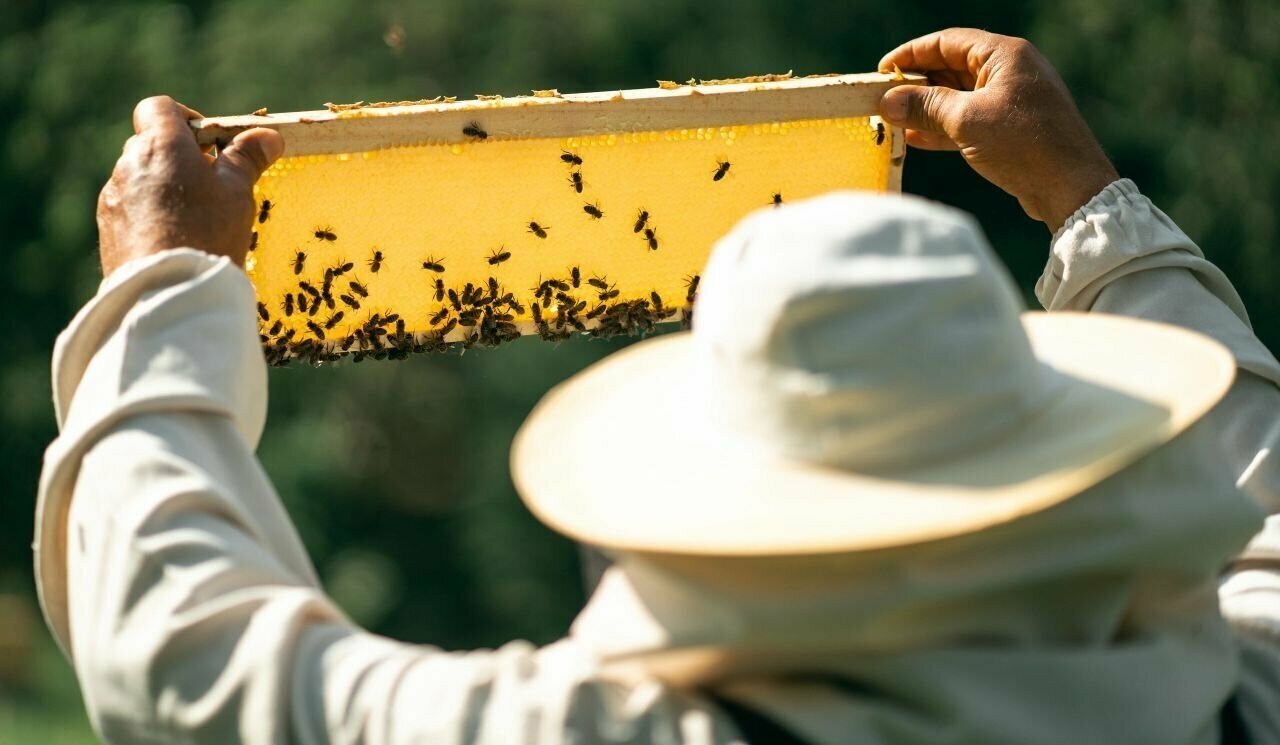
(933, 107)
(257, 158)
(152, 102)
(1021, 50)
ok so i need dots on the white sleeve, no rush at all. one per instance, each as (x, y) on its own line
(172, 576)
(1121, 254)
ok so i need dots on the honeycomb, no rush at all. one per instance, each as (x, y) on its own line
(431, 246)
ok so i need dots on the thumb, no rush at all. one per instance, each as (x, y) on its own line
(249, 154)
(926, 108)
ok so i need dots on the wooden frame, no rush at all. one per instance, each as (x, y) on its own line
(550, 114)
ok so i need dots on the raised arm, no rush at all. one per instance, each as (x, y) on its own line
(168, 568)
(1003, 106)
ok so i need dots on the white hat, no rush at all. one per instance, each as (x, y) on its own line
(861, 374)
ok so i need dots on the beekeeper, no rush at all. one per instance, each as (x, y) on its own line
(898, 508)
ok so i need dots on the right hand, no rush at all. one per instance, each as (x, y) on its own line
(999, 102)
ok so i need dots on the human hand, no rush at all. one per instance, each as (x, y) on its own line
(166, 193)
(999, 102)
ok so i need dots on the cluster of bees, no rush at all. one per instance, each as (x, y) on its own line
(484, 315)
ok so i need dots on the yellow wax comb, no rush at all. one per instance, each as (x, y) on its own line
(392, 228)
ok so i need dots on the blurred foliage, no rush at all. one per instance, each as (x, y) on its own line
(398, 482)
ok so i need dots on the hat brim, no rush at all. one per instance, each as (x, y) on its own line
(618, 457)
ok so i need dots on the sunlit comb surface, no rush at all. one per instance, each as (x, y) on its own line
(432, 246)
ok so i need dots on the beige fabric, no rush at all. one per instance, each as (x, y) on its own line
(194, 615)
(880, 386)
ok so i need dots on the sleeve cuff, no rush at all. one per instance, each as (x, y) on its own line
(1119, 232)
(176, 327)
(171, 332)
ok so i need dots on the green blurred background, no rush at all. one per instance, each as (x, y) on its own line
(398, 481)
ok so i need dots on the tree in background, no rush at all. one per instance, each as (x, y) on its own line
(396, 472)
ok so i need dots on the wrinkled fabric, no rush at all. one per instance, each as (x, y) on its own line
(173, 578)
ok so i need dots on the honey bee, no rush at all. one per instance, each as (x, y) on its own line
(342, 268)
(264, 211)
(302, 303)
(334, 320)
(288, 304)
(575, 180)
(262, 312)
(537, 313)
(275, 327)
(433, 264)
(642, 219)
(253, 240)
(347, 342)
(596, 311)
(440, 316)
(608, 295)
(493, 286)
(601, 283)
(879, 133)
(593, 210)
(575, 277)
(350, 302)
(498, 255)
(777, 198)
(450, 326)
(657, 300)
(298, 260)
(474, 131)
(453, 299)
(376, 262)
(439, 290)
(651, 236)
(315, 329)
(560, 285)
(539, 230)
(325, 234)
(692, 284)
(722, 168)
(358, 289)
(570, 158)
(309, 289)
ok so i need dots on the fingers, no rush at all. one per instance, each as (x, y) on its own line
(164, 121)
(162, 114)
(932, 109)
(959, 49)
(249, 154)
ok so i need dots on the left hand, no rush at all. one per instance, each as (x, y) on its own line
(166, 193)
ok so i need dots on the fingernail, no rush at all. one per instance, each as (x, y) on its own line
(894, 104)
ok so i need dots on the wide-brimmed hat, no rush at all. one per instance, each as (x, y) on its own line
(861, 374)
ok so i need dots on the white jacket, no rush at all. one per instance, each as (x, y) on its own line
(173, 578)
